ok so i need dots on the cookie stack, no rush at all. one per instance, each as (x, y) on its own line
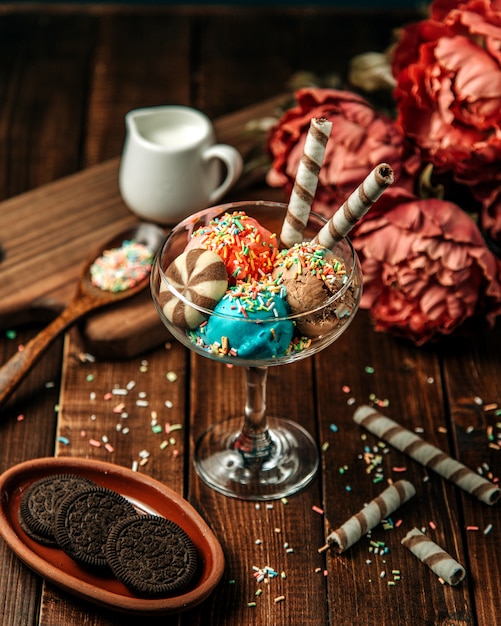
(100, 529)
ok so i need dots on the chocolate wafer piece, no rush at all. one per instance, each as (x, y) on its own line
(84, 520)
(436, 558)
(367, 518)
(39, 504)
(151, 555)
(428, 455)
(356, 206)
(305, 184)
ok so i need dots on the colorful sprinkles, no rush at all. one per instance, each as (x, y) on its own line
(247, 249)
(122, 406)
(119, 269)
(252, 297)
(311, 258)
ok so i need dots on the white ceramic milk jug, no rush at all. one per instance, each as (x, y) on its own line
(171, 165)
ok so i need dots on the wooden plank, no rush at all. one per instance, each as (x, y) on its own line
(230, 61)
(156, 71)
(92, 410)
(246, 56)
(27, 431)
(40, 73)
(410, 380)
(29, 78)
(472, 380)
(255, 536)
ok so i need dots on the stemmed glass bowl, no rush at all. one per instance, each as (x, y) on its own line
(255, 456)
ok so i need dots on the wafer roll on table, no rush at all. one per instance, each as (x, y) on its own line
(305, 184)
(426, 454)
(436, 558)
(370, 516)
(356, 206)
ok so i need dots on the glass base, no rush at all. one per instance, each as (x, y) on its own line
(267, 466)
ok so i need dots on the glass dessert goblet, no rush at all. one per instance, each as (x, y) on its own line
(279, 307)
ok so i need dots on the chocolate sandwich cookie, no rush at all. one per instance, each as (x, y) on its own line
(39, 504)
(151, 555)
(83, 522)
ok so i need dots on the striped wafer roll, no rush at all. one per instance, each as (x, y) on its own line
(427, 454)
(306, 182)
(436, 558)
(378, 509)
(356, 206)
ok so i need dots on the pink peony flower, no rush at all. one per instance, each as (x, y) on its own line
(448, 93)
(427, 270)
(360, 139)
(489, 197)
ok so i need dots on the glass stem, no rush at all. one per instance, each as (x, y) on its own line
(254, 441)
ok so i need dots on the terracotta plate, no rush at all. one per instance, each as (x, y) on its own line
(147, 495)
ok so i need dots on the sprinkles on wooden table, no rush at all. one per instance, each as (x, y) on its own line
(119, 269)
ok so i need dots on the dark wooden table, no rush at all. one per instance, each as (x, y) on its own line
(67, 77)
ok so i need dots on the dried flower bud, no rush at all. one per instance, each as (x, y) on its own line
(371, 71)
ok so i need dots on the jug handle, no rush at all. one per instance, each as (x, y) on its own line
(233, 162)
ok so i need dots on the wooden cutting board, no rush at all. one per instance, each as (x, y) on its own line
(47, 233)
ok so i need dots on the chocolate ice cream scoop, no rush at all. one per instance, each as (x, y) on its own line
(312, 276)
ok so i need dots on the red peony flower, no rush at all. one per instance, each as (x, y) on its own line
(360, 139)
(427, 270)
(448, 93)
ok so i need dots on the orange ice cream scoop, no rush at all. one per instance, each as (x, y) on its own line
(247, 248)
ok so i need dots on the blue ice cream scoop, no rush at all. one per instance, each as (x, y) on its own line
(248, 322)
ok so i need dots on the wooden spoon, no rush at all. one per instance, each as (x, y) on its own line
(87, 298)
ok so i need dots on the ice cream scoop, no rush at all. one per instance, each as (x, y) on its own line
(311, 276)
(248, 322)
(247, 248)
